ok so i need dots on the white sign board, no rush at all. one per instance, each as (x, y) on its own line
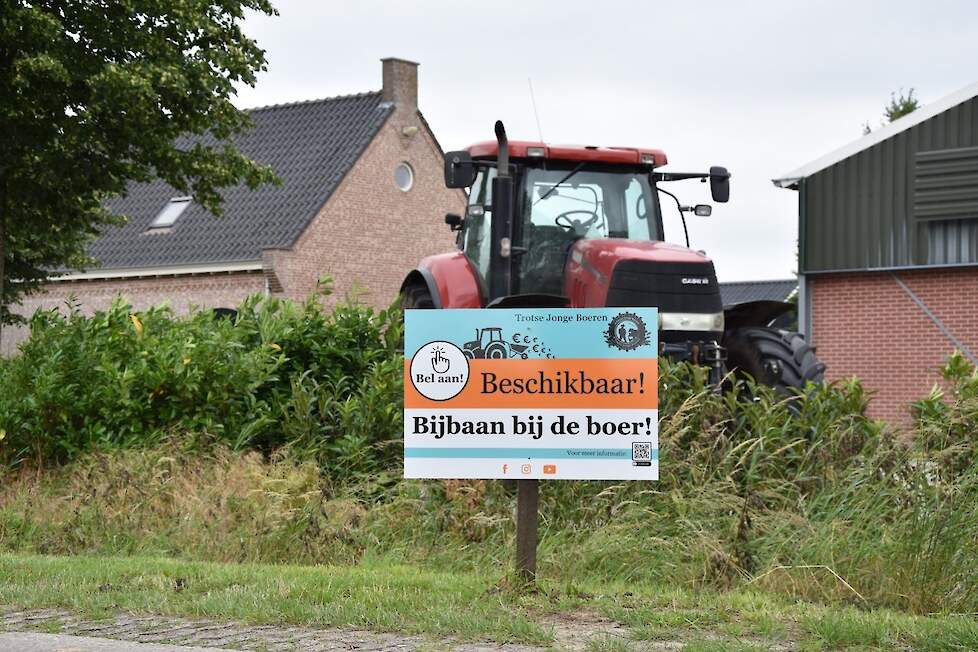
(549, 394)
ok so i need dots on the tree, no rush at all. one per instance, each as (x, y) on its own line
(900, 106)
(96, 94)
(897, 108)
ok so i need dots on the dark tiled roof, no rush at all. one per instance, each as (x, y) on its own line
(310, 145)
(734, 293)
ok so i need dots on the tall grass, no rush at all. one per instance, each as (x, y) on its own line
(298, 460)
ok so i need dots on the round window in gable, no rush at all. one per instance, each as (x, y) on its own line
(404, 176)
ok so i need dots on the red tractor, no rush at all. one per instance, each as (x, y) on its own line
(551, 226)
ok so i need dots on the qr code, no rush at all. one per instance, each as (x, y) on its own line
(642, 452)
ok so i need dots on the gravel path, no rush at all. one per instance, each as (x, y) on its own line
(235, 636)
(59, 630)
(29, 642)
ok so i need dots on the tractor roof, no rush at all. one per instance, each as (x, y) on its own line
(576, 153)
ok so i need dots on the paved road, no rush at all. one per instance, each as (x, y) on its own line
(20, 642)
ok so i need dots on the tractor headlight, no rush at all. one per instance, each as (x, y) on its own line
(691, 321)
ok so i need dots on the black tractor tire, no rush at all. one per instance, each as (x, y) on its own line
(496, 351)
(779, 358)
(417, 297)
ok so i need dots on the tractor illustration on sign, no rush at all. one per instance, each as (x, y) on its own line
(489, 343)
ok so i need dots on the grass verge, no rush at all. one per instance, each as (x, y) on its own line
(385, 596)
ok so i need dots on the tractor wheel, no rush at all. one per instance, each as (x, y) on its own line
(417, 297)
(496, 351)
(781, 359)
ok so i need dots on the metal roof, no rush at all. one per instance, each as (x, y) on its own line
(790, 179)
(744, 291)
(310, 145)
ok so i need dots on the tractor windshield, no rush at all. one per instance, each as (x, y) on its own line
(590, 203)
(560, 206)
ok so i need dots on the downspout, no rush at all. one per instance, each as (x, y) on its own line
(804, 308)
(804, 293)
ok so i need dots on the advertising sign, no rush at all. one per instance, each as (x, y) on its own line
(549, 394)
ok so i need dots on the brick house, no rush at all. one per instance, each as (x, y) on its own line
(362, 201)
(888, 237)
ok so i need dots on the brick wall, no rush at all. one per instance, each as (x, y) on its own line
(865, 325)
(370, 233)
(182, 292)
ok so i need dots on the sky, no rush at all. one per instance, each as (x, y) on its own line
(760, 87)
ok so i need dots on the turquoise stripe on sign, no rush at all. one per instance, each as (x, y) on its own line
(528, 453)
(537, 332)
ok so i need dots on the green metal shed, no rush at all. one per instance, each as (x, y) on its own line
(903, 196)
(888, 239)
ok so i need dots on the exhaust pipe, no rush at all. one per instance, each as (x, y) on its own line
(500, 247)
(502, 159)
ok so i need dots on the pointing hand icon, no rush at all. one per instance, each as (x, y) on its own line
(439, 362)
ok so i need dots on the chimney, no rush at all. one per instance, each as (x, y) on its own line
(401, 83)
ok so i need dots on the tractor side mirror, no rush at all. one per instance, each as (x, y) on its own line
(459, 170)
(454, 221)
(702, 210)
(719, 184)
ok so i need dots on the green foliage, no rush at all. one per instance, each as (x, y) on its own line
(901, 106)
(280, 374)
(947, 427)
(898, 107)
(93, 96)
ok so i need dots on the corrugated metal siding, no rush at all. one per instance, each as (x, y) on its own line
(907, 201)
(946, 184)
(954, 242)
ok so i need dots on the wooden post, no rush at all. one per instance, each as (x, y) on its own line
(527, 517)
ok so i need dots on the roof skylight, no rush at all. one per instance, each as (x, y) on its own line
(173, 209)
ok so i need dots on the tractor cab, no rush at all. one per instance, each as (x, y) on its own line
(558, 203)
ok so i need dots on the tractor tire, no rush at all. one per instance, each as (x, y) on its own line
(417, 297)
(496, 351)
(779, 358)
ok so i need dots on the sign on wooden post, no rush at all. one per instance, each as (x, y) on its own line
(531, 394)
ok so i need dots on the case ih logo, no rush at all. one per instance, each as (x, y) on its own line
(696, 280)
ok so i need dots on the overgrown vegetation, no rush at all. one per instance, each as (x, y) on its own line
(326, 385)
(275, 438)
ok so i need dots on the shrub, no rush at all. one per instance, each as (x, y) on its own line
(280, 374)
(947, 419)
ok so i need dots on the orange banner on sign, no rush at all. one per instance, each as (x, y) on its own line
(611, 383)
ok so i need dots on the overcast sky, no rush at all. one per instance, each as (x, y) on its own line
(760, 87)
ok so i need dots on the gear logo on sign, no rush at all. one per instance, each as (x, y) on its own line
(627, 332)
(439, 371)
